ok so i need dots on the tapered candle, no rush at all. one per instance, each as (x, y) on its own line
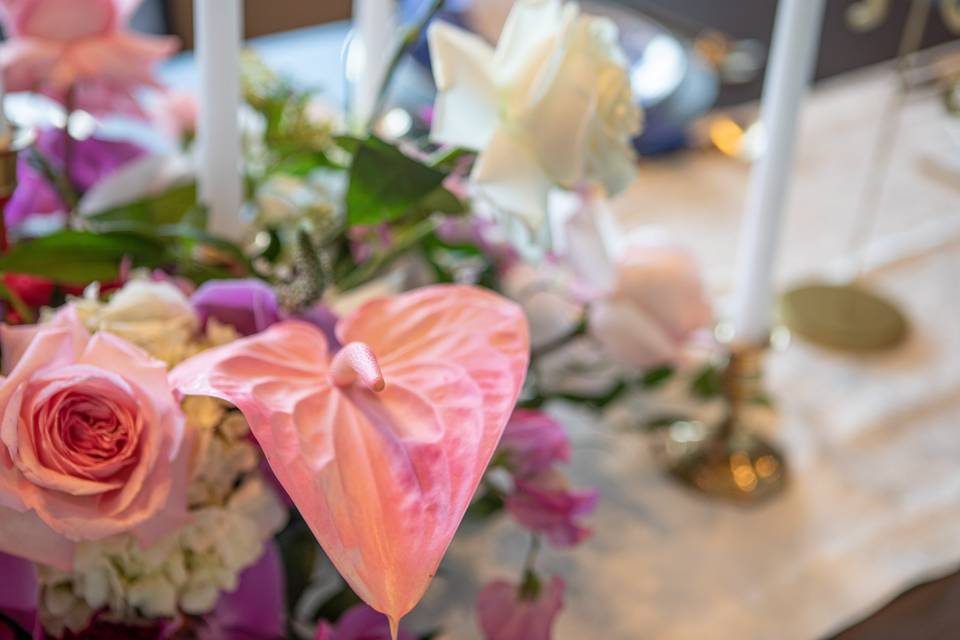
(218, 35)
(796, 40)
(375, 38)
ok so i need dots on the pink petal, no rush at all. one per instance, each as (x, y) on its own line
(26, 535)
(383, 479)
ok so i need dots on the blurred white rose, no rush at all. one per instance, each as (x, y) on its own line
(550, 106)
(649, 299)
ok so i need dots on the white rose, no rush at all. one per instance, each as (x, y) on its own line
(550, 106)
(153, 315)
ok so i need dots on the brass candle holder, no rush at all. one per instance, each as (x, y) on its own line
(728, 460)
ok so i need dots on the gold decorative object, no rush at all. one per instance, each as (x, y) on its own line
(728, 461)
(845, 317)
(12, 142)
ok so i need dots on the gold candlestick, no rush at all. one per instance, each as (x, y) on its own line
(729, 461)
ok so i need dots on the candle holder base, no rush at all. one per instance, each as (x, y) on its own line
(846, 317)
(728, 461)
(742, 467)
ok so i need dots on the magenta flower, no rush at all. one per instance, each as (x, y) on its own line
(18, 594)
(257, 608)
(93, 160)
(249, 306)
(546, 505)
(359, 623)
(509, 612)
(533, 442)
(79, 48)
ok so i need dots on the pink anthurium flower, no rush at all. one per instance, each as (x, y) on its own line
(382, 444)
(81, 46)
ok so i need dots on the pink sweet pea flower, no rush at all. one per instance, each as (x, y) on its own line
(533, 442)
(59, 47)
(91, 439)
(359, 623)
(509, 612)
(545, 504)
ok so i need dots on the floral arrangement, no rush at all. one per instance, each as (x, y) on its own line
(185, 418)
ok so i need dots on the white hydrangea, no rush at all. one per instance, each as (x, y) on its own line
(186, 572)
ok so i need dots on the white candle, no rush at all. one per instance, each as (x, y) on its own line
(375, 39)
(796, 40)
(218, 33)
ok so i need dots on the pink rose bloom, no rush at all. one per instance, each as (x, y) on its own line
(59, 46)
(508, 612)
(89, 442)
(546, 505)
(533, 442)
(648, 298)
(359, 623)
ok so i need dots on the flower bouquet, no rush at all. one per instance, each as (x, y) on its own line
(192, 425)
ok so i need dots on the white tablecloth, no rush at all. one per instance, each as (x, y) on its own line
(873, 442)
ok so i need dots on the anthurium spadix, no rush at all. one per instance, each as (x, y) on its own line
(381, 445)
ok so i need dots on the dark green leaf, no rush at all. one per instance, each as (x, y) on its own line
(298, 552)
(170, 207)
(385, 184)
(80, 256)
(656, 377)
(708, 383)
(441, 200)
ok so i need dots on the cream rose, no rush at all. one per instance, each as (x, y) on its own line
(155, 316)
(551, 106)
(93, 442)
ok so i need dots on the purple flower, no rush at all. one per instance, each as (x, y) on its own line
(359, 623)
(18, 594)
(546, 505)
(533, 442)
(256, 609)
(509, 612)
(249, 306)
(93, 160)
(322, 318)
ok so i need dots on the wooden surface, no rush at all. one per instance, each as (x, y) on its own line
(264, 16)
(927, 612)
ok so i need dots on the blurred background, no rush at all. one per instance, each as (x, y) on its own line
(748, 21)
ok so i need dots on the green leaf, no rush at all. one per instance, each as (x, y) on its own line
(299, 553)
(77, 257)
(385, 184)
(656, 377)
(441, 200)
(170, 207)
(708, 383)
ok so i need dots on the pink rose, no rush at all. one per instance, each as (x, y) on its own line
(90, 434)
(656, 305)
(648, 297)
(509, 612)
